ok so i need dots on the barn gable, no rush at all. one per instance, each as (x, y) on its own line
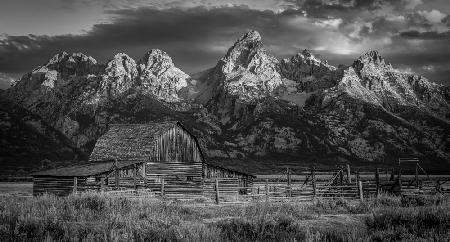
(158, 142)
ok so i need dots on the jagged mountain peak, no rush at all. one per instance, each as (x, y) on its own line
(247, 49)
(251, 35)
(371, 63)
(67, 64)
(308, 71)
(307, 57)
(372, 56)
(121, 66)
(74, 57)
(306, 53)
(156, 57)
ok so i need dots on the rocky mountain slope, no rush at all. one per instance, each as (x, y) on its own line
(249, 105)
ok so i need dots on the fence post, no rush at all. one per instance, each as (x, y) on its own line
(116, 175)
(134, 176)
(360, 191)
(313, 176)
(357, 177)
(289, 182)
(267, 190)
(417, 176)
(217, 191)
(144, 175)
(349, 179)
(102, 184)
(162, 187)
(377, 178)
(75, 184)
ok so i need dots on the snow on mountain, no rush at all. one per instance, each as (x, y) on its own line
(309, 72)
(247, 71)
(249, 104)
(373, 80)
(159, 76)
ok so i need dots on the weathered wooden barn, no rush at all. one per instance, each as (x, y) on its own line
(164, 157)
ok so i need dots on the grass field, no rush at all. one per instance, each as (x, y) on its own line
(99, 217)
(16, 189)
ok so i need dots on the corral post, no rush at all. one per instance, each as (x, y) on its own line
(116, 175)
(217, 191)
(162, 186)
(349, 179)
(289, 182)
(102, 184)
(144, 175)
(267, 190)
(417, 175)
(360, 191)
(341, 177)
(400, 175)
(75, 184)
(313, 176)
(377, 179)
(134, 176)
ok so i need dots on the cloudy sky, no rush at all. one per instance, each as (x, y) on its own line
(414, 35)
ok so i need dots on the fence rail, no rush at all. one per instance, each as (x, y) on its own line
(302, 186)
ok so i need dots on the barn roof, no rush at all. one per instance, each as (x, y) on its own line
(129, 141)
(90, 169)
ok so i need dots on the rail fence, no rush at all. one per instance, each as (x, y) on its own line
(307, 185)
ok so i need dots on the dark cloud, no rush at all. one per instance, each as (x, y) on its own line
(197, 37)
(425, 35)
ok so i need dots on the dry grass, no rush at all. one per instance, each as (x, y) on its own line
(98, 217)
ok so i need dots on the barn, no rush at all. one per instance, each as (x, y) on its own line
(162, 156)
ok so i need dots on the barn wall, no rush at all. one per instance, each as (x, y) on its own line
(217, 172)
(60, 186)
(179, 178)
(176, 145)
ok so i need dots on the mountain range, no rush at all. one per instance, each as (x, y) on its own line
(250, 108)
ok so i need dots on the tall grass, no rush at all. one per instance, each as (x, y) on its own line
(99, 217)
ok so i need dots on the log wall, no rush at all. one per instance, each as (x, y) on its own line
(179, 178)
(212, 172)
(60, 186)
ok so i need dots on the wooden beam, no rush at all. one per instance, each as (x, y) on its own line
(267, 190)
(289, 182)
(217, 191)
(417, 175)
(134, 176)
(75, 185)
(313, 176)
(360, 191)
(116, 175)
(162, 187)
(102, 184)
(349, 178)
(377, 180)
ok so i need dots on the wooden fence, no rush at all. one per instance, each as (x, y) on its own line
(307, 185)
